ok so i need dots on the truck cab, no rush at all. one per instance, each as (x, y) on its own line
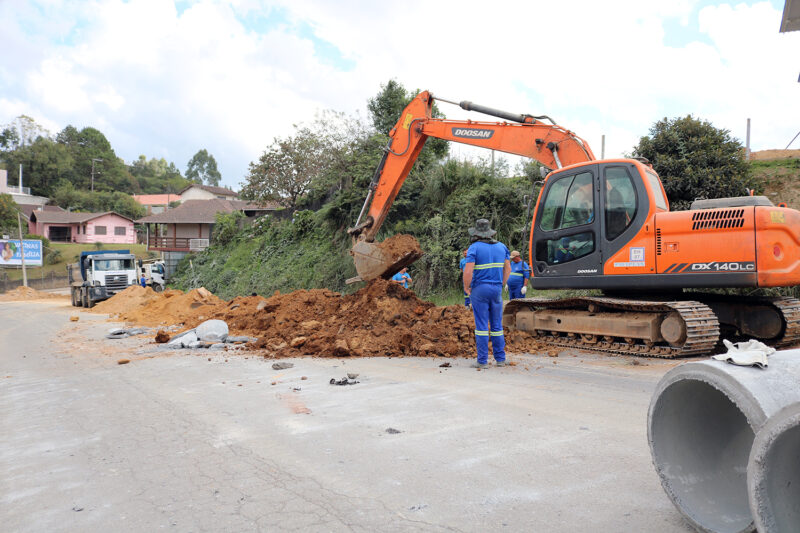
(155, 274)
(100, 275)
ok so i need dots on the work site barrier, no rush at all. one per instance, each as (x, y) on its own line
(702, 426)
(43, 282)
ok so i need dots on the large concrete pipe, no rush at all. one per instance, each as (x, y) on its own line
(773, 473)
(701, 426)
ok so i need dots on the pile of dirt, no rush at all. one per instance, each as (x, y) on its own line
(381, 319)
(145, 307)
(26, 293)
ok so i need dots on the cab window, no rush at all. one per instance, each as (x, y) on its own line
(565, 249)
(569, 203)
(620, 201)
(658, 194)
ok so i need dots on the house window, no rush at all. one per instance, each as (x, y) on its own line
(99, 230)
(120, 230)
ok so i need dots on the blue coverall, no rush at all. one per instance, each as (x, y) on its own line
(487, 301)
(520, 272)
(461, 267)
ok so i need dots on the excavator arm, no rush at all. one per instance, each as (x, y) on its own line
(549, 144)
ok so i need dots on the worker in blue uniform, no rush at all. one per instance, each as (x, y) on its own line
(402, 278)
(461, 265)
(486, 271)
(518, 280)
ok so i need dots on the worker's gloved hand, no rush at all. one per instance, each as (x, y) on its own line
(524, 289)
(505, 288)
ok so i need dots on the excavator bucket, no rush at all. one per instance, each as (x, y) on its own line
(383, 260)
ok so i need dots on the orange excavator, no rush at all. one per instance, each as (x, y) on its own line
(606, 224)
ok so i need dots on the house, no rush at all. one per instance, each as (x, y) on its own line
(28, 209)
(65, 226)
(188, 227)
(196, 191)
(156, 203)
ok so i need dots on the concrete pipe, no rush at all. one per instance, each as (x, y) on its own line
(701, 426)
(773, 473)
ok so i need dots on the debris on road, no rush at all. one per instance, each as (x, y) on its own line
(343, 381)
(281, 366)
(380, 319)
(121, 333)
(74, 318)
(392, 431)
(123, 361)
(162, 336)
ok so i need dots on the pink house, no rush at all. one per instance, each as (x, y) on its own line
(64, 226)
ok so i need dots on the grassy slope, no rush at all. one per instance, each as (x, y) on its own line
(70, 254)
(780, 179)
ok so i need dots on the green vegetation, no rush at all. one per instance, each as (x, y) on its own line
(83, 159)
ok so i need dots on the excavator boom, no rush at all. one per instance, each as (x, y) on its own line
(549, 144)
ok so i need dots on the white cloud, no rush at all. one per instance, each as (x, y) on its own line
(167, 83)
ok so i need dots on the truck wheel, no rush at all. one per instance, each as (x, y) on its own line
(89, 302)
(84, 302)
(74, 299)
(157, 287)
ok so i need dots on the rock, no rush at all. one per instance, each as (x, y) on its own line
(183, 339)
(212, 331)
(303, 378)
(162, 336)
(427, 347)
(311, 324)
(74, 318)
(279, 346)
(123, 361)
(117, 336)
(261, 305)
(232, 338)
(340, 348)
(298, 341)
(352, 375)
(195, 345)
(392, 431)
(282, 366)
(217, 347)
(116, 331)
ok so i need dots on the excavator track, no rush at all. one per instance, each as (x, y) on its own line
(702, 326)
(701, 323)
(789, 308)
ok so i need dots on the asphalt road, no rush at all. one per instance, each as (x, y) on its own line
(183, 443)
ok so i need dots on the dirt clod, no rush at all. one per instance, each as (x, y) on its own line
(162, 336)
(123, 361)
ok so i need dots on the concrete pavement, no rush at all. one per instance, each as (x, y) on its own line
(181, 443)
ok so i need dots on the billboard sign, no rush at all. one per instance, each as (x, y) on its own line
(10, 253)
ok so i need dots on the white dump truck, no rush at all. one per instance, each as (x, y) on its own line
(154, 273)
(101, 274)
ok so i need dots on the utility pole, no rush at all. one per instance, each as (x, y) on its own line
(93, 160)
(22, 250)
(603, 147)
(747, 148)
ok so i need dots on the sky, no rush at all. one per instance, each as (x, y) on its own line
(167, 78)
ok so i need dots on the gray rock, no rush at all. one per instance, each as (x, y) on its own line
(184, 339)
(195, 345)
(212, 331)
(116, 331)
(282, 366)
(240, 338)
(217, 347)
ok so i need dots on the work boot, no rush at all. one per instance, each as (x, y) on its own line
(501, 363)
(480, 365)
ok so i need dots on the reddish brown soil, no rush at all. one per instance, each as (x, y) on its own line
(381, 319)
(399, 245)
(26, 293)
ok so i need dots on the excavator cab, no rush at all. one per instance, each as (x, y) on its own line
(585, 214)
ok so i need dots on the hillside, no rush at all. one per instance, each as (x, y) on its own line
(778, 172)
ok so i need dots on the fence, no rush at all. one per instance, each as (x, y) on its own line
(46, 281)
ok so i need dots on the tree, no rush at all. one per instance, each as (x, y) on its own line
(695, 160)
(22, 131)
(385, 109)
(286, 170)
(8, 214)
(202, 168)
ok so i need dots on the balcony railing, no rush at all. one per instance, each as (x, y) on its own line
(176, 244)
